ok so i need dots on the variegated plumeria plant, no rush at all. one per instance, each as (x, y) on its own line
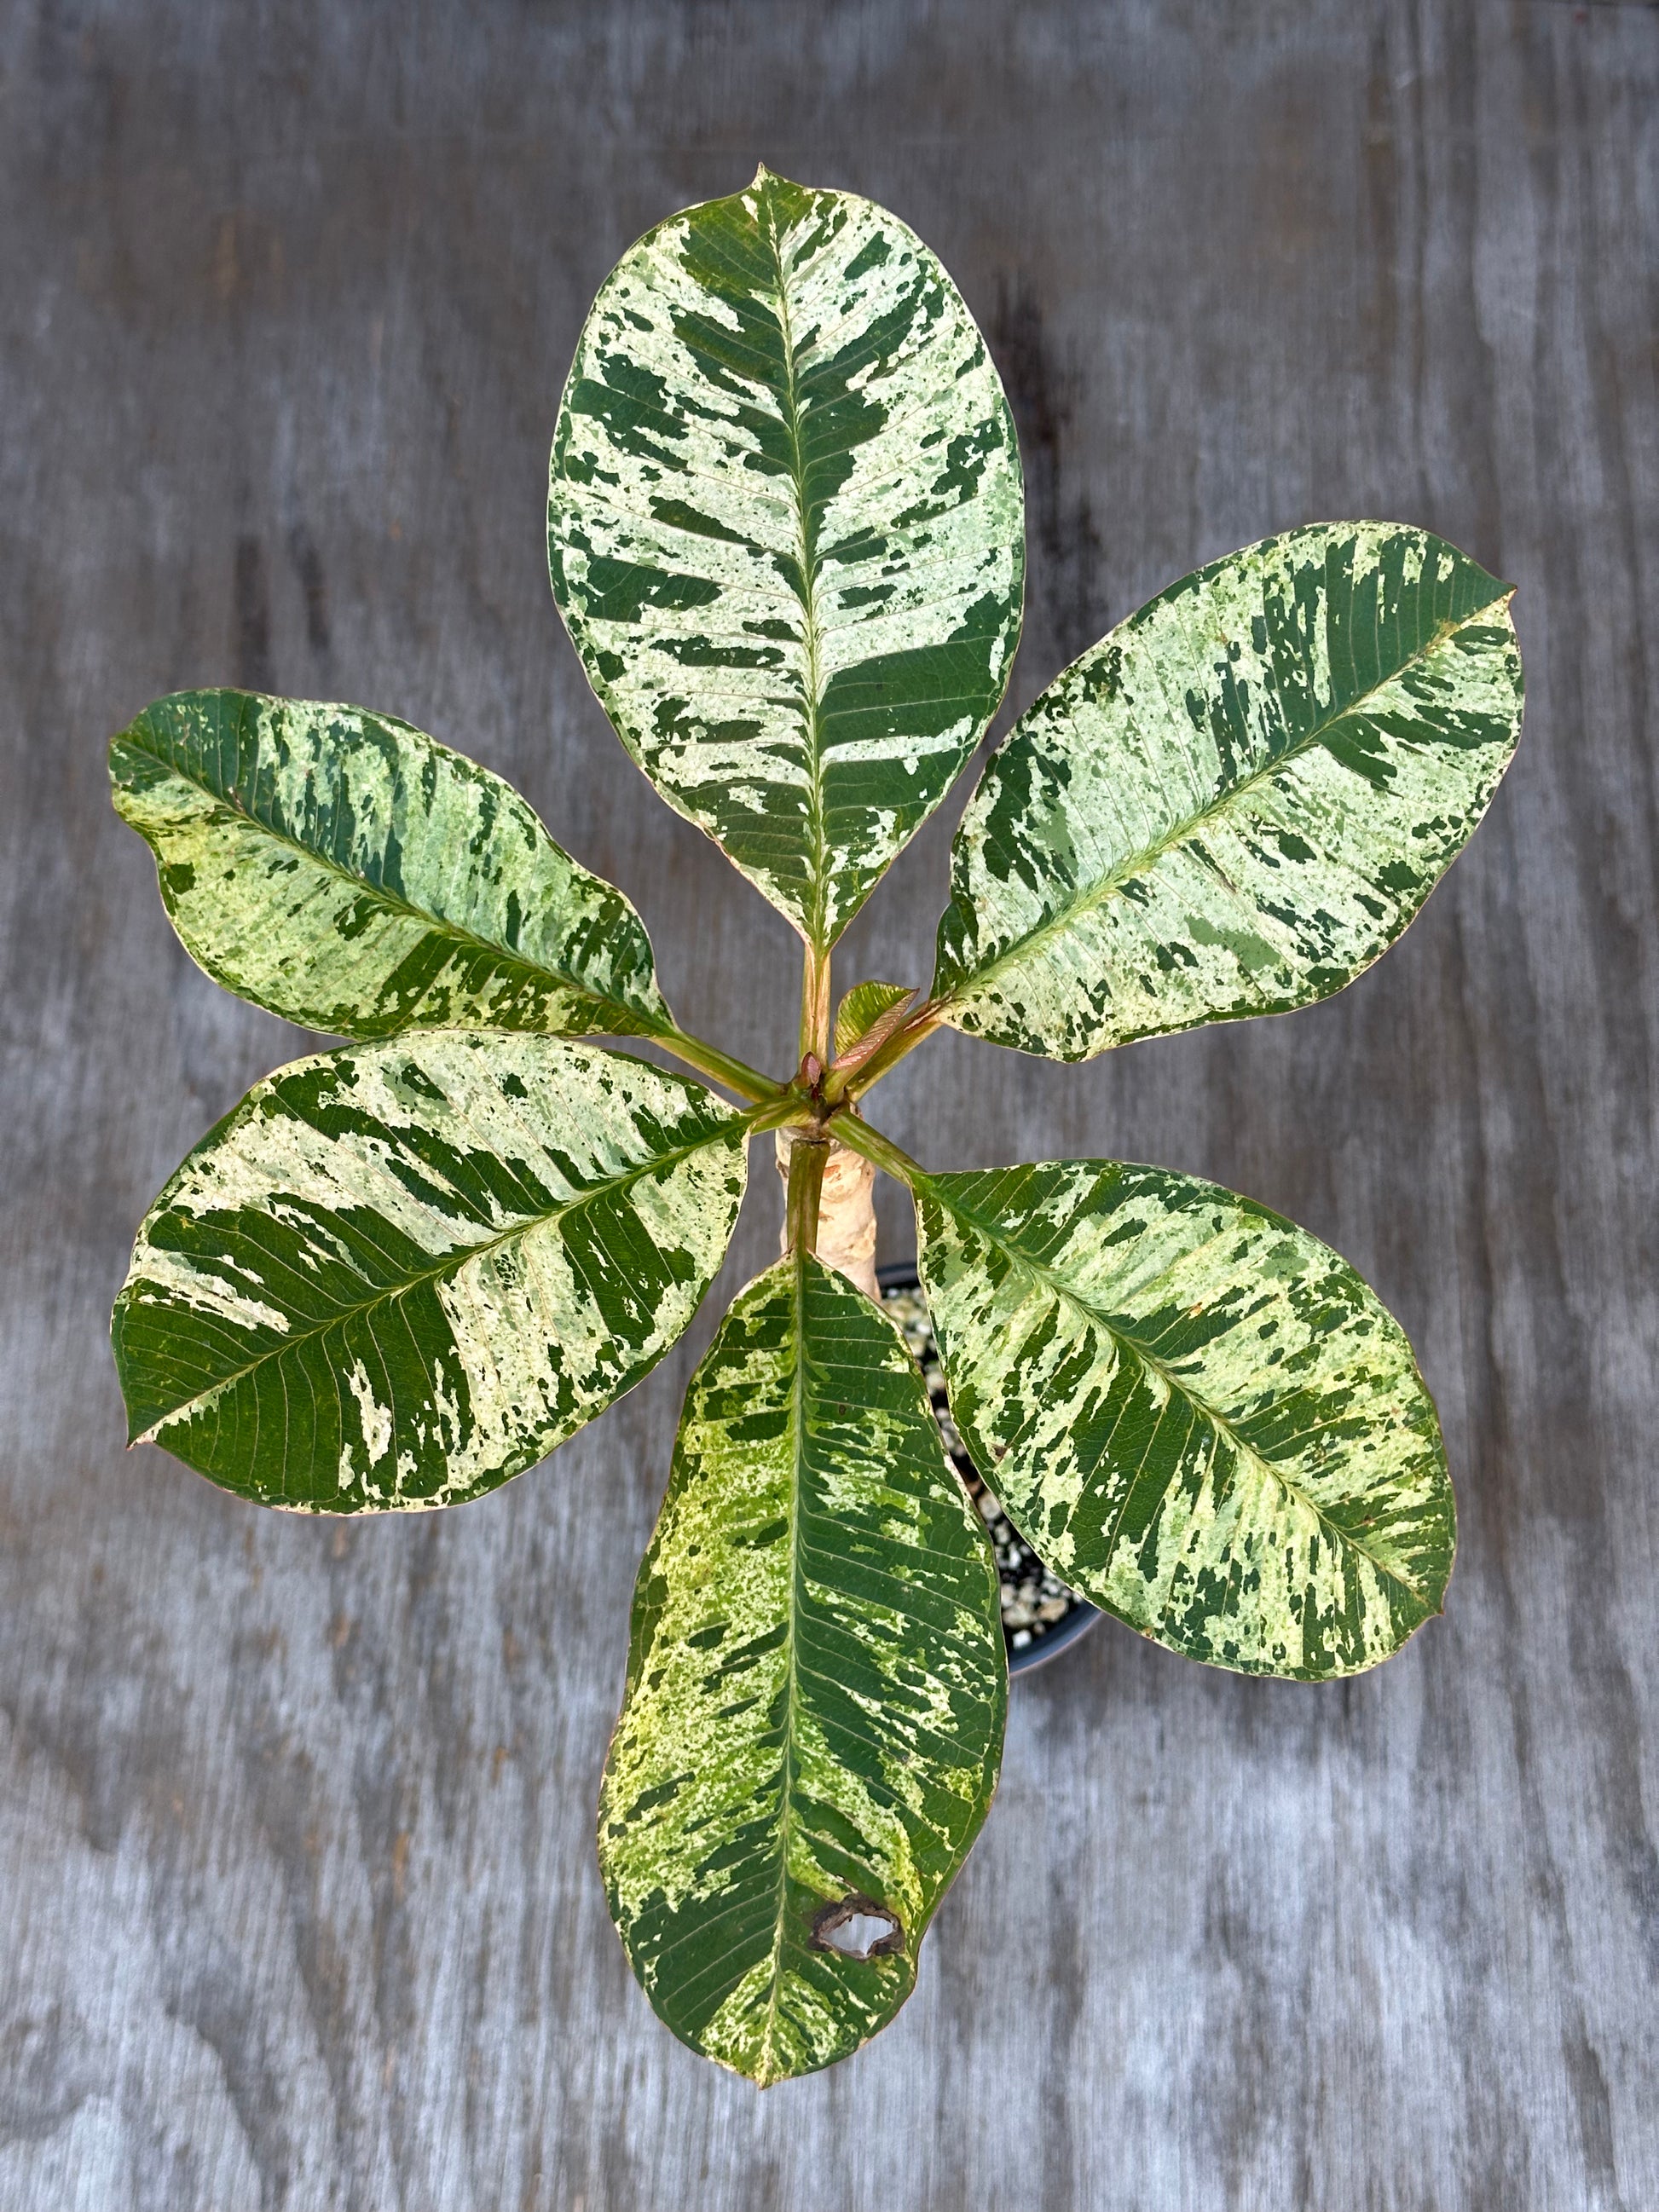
(785, 532)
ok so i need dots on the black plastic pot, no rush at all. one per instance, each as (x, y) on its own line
(1040, 1615)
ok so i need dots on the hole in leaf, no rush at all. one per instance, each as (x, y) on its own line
(858, 1927)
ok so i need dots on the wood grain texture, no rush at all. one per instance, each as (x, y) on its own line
(298, 1899)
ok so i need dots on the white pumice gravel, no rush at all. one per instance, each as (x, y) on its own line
(1034, 1600)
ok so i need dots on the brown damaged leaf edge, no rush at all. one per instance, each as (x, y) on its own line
(785, 532)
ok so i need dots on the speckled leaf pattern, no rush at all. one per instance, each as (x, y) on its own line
(350, 873)
(785, 531)
(1238, 798)
(399, 1273)
(1199, 1414)
(817, 1688)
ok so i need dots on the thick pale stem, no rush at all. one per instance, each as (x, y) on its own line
(844, 1230)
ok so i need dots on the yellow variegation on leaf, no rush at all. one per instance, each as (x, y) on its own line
(396, 1274)
(1237, 800)
(816, 1684)
(349, 873)
(785, 531)
(1196, 1412)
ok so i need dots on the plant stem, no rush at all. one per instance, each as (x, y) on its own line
(788, 1110)
(808, 1157)
(858, 1137)
(815, 1007)
(709, 1059)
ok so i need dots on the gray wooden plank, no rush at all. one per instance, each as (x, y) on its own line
(299, 1904)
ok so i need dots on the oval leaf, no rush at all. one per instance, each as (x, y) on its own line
(352, 874)
(1237, 800)
(393, 1277)
(817, 1688)
(1197, 1413)
(786, 531)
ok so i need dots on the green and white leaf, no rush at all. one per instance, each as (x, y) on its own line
(785, 530)
(869, 1013)
(1238, 800)
(817, 1688)
(1197, 1413)
(350, 873)
(395, 1275)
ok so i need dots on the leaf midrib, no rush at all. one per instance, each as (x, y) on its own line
(806, 558)
(792, 1704)
(449, 1263)
(1141, 862)
(994, 1233)
(396, 903)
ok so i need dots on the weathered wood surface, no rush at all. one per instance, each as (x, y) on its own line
(298, 1903)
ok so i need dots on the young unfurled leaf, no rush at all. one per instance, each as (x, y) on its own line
(817, 1688)
(396, 1275)
(868, 1014)
(350, 873)
(1238, 800)
(1196, 1412)
(785, 531)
